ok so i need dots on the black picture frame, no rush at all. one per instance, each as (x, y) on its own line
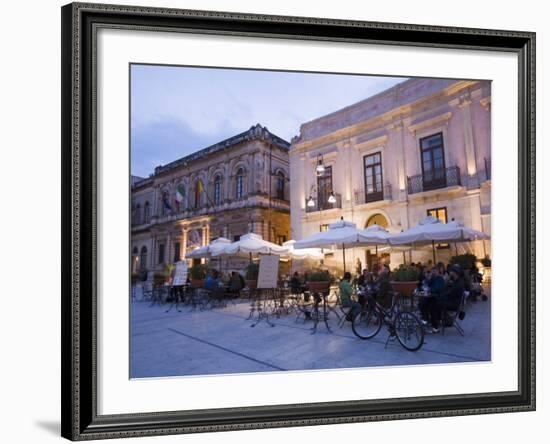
(79, 396)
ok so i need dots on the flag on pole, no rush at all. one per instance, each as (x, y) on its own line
(166, 203)
(180, 193)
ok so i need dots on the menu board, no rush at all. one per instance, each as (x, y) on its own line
(180, 274)
(269, 270)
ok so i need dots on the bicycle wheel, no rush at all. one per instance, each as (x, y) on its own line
(367, 323)
(409, 330)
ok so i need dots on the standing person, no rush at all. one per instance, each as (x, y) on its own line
(358, 267)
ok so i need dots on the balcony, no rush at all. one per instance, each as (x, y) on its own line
(362, 197)
(323, 206)
(250, 200)
(487, 169)
(436, 179)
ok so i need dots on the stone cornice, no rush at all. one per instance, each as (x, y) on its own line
(381, 120)
(372, 143)
(434, 121)
(485, 103)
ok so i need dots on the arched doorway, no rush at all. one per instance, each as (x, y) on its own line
(377, 219)
(374, 258)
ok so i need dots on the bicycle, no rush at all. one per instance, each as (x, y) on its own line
(403, 325)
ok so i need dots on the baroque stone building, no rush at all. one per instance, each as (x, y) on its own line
(237, 186)
(422, 147)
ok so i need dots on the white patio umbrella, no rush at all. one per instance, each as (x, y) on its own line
(252, 243)
(432, 230)
(341, 233)
(302, 253)
(215, 248)
(374, 235)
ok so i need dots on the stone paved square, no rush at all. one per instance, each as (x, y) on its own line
(222, 341)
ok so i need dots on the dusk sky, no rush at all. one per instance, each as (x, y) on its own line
(177, 110)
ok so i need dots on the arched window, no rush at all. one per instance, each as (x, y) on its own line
(218, 190)
(146, 212)
(280, 185)
(239, 182)
(138, 214)
(143, 258)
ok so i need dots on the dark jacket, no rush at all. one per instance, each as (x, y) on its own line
(436, 284)
(383, 290)
(451, 295)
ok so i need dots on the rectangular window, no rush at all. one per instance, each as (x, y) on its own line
(177, 247)
(236, 237)
(441, 214)
(324, 188)
(161, 254)
(373, 177)
(323, 227)
(433, 162)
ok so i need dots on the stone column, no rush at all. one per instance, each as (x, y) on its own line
(397, 144)
(183, 247)
(468, 134)
(152, 262)
(168, 257)
(348, 168)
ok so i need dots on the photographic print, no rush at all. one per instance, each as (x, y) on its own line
(262, 212)
(297, 221)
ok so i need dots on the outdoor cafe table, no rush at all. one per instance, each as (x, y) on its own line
(318, 298)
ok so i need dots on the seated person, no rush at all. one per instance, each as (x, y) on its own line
(212, 281)
(449, 297)
(383, 288)
(364, 279)
(296, 284)
(235, 283)
(435, 285)
(425, 276)
(345, 297)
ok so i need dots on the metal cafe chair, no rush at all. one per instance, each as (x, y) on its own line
(451, 318)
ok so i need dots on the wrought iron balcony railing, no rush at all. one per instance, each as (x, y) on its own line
(487, 169)
(325, 205)
(362, 196)
(433, 180)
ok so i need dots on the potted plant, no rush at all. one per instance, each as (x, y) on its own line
(486, 262)
(197, 275)
(318, 281)
(159, 278)
(251, 275)
(465, 261)
(405, 279)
